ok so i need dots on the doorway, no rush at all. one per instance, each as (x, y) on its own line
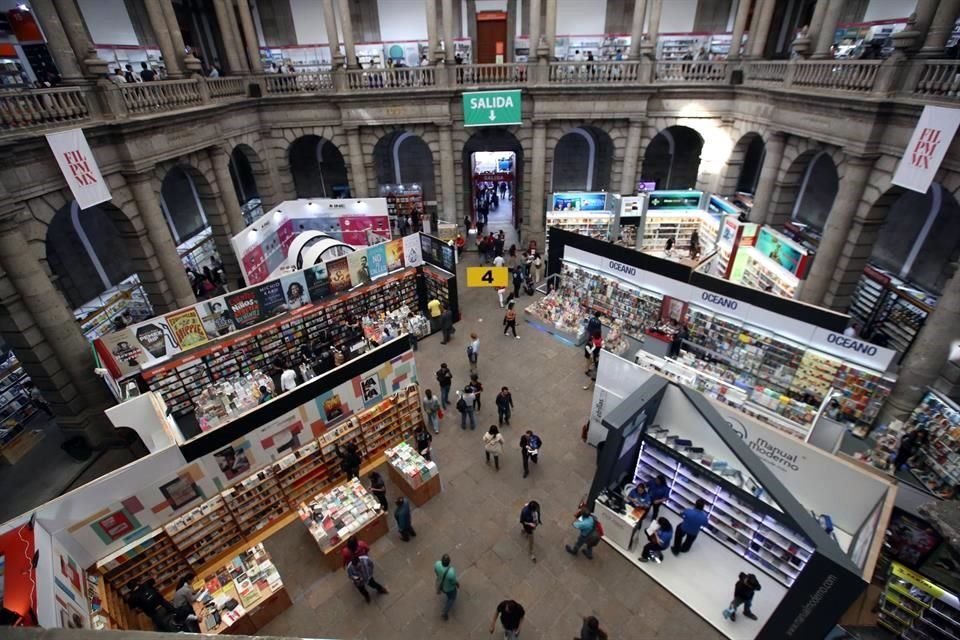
(493, 180)
(491, 36)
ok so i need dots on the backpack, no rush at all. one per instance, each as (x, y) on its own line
(597, 526)
(461, 405)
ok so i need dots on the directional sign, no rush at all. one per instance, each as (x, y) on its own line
(491, 108)
(488, 277)
(674, 200)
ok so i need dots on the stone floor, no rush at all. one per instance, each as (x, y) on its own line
(476, 518)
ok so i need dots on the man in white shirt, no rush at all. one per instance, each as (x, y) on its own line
(498, 261)
(288, 379)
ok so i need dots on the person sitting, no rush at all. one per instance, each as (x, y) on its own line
(659, 534)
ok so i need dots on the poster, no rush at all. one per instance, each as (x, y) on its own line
(255, 265)
(927, 147)
(394, 250)
(359, 268)
(180, 492)
(339, 273)
(79, 167)
(233, 461)
(779, 250)
(318, 283)
(271, 297)
(412, 251)
(187, 328)
(579, 201)
(116, 525)
(215, 316)
(121, 352)
(372, 389)
(294, 290)
(156, 340)
(244, 308)
(377, 261)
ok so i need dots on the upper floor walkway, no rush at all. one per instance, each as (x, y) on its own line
(35, 111)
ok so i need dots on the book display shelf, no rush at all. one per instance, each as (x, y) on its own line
(584, 223)
(204, 532)
(402, 201)
(887, 306)
(937, 465)
(915, 608)
(762, 273)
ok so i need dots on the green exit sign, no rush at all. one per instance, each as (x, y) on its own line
(491, 108)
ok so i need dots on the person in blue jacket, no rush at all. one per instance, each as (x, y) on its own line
(693, 520)
(586, 527)
(404, 520)
(657, 494)
(659, 540)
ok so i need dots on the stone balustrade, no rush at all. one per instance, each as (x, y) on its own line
(925, 80)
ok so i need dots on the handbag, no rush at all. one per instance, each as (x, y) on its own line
(440, 413)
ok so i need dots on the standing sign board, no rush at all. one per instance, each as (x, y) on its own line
(79, 167)
(928, 145)
(491, 108)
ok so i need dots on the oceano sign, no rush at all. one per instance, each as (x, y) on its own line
(720, 301)
(491, 108)
(852, 344)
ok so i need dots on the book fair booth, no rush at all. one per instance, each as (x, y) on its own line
(772, 504)
(203, 505)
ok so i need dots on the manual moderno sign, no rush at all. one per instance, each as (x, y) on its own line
(491, 108)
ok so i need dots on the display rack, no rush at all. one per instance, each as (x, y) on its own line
(152, 557)
(915, 608)
(763, 274)
(204, 532)
(402, 200)
(937, 465)
(584, 223)
(256, 502)
(679, 47)
(889, 309)
(733, 522)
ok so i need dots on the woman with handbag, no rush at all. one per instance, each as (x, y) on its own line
(447, 583)
(493, 445)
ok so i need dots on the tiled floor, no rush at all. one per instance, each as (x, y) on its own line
(476, 518)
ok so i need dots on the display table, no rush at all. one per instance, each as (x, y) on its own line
(619, 527)
(413, 474)
(346, 511)
(249, 579)
(20, 445)
(657, 343)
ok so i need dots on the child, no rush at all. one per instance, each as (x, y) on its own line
(743, 592)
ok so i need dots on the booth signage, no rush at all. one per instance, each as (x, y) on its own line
(497, 277)
(491, 108)
(927, 147)
(674, 200)
(79, 167)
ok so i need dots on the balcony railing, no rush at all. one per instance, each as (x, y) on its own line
(227, 87)
(153, 97)
(487, 74)
(44, 107)
(607, 72)
(309, 82)
(391, 78)
(938, 79)
(710, 72)
(841, 75)
(765, 72)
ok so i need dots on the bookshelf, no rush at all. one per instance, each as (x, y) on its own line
(204, 532)
(255, 502)
(915, 608)
(154, 556)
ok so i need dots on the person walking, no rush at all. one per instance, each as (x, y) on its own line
(431, 406)
(659, 535)
(379, 489)
(477, 389)
(447, 583)
(693, 520)
(511, 617)
(588, 533)
(422, 439)
(465, 407)
(591, 630)
(360, 572)
(401, 513)
(529, 520)
(446, 325)
(530, 444)
(504, 402)
(747, 585)
(445, 379)
(510, 321)
(353, 549)
(473, 352)
(493, 445)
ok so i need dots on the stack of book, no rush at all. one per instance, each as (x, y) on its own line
(410, 464)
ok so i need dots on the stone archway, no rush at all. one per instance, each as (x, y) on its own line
(180, 201)
(806, 190)
(493, 139)
(743, 168)
(318, 168)
(403, 157)
(672, 159)
(583, 160)
(249, 175)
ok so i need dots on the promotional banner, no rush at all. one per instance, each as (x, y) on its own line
(318, 282)
(187, 328)
(674, 200)
(579, 201)
(928, 145)
(271, 297)
(245, 308)
(359, 268)
(215, 316)
(79, 167)
(780, 250)
(412, 251)
(394, 250)
(295, 289)
(339, 272)
(377, 261)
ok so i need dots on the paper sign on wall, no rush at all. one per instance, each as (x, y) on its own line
(79, 167)
(927, 147)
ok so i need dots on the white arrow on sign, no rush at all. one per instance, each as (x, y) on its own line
(493, 115)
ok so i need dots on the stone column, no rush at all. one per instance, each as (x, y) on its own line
(653, 26)
(631, 156)
(68, 63)
(448, 190)
(189, 63)
(928, 354)
(761, 29)
(61, 360)
(237, 37)
(226, 34)
(433, 44)
(836, 230)
(250, 35)
(534, 29)
(448, 53)
(940, 29)
(333, 37)
(550, 29)
(512, 18)
(538, 195)
(924, 12)
(78, 36)
(739, 28)
(148, 202)
(164, 40)
(825, 36)
(636, 29)
(346, 24)
(228, 195)
(358, 169)
(769, 172)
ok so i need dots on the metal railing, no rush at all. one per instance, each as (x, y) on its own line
(227, 87)
(166, 95)
(765, 72)
(687, 71)
(842, 75)
(24, 109)
(606, 72)
(392, 78)
(938, 78)
(485, 74)
(309, 82)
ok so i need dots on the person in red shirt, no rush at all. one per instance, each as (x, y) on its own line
(353, 549)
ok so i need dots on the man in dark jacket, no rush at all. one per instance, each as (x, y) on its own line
(444, 379)
(743, 592)
(504, 405)
(404, 519)
(446, 325)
